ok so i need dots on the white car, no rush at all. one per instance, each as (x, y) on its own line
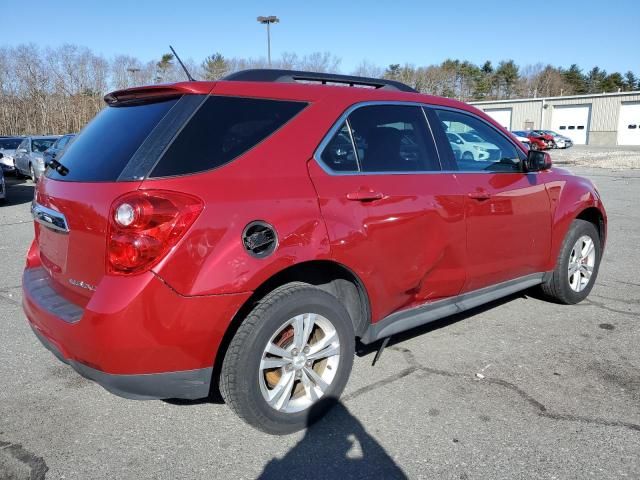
(8, 147)
(521, 139)
(471, 146)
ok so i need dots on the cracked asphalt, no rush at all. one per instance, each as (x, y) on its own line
(521, 388)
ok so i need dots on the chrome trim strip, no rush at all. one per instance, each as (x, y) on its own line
(49, 218)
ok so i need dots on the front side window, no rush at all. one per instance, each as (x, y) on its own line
(483, 148)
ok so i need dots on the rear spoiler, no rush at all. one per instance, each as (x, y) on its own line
(154, 92)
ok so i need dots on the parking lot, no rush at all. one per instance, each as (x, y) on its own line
(521, 388)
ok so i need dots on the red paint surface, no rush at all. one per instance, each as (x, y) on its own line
(424, 238)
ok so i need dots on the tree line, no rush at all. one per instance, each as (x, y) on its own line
(58, 90)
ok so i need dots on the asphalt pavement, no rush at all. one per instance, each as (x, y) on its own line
(521, 388)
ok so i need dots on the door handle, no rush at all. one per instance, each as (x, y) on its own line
(364, 196)
(479, 195)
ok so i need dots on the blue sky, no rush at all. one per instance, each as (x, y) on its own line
(586, 32)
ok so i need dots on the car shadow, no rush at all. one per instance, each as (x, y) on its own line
(363, 350)
(336, 446)
(18, 191)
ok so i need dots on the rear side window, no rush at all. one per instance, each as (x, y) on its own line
(339, 154)
(221, 130)
(105, 146)
(393, 138)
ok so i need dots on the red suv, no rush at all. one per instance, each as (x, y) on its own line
(242, 234)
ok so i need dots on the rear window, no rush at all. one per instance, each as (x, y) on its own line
(9, 143)
(107, 143)
(221, 130)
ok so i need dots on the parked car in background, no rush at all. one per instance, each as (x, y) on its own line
(29, 156)
(8, 146)
(3, 187)
(536, 142)
(58, 148)
(560, 140)
(523, 139)
(471, 146)
(167, 262)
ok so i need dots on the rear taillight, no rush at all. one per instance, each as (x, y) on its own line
(144, 226)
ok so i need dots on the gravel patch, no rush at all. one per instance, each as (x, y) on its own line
(599, 157)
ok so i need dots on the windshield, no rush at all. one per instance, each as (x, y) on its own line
(9, 143)
(471, 137)
(41, 144)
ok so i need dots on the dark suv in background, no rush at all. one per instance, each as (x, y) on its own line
(242, 234)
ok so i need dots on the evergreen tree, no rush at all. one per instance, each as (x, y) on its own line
(575, 80)
(163, 66)
(630, 81)
(507, 76)
(215, 67)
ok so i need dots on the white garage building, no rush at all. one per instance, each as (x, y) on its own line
(601, 119)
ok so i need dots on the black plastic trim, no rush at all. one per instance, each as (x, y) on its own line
(292, 76)
(415, 317)
(187, 384)
(156, 144)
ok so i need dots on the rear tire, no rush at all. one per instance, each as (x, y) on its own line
(577, 265)
(296, 347)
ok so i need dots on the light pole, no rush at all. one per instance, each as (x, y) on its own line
(268, 21)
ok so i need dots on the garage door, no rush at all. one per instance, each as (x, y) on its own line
(572, 121)
(501, 115)
(629, 124)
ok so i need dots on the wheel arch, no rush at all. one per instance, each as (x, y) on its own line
(328, 275)
(594, 215)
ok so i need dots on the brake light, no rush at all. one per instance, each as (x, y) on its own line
(144, 226)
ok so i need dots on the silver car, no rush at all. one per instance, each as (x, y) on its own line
(3, 187)
(560, 140)
(8, 147)
(29, 159)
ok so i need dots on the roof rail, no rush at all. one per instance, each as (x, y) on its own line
(291, 76)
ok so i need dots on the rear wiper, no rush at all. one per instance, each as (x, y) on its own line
(58, 167)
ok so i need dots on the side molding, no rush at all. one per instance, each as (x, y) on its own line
(415, 317)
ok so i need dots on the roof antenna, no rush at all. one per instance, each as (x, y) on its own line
(191, 79)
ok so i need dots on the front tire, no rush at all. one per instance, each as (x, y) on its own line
(294, 348)
(577, 265)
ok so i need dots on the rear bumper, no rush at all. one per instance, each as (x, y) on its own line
(189, 384)
(136, 336)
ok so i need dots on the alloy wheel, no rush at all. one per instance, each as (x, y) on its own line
(581, 263)
(299, 363)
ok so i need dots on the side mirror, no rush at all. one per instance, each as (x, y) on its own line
(537, 161)
(22, 150)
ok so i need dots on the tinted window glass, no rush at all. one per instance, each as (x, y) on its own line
(339, 154)
(42, 144)
(393, 138)
(483, 147)
(221, 130)
(9, 143)
(105, 146)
